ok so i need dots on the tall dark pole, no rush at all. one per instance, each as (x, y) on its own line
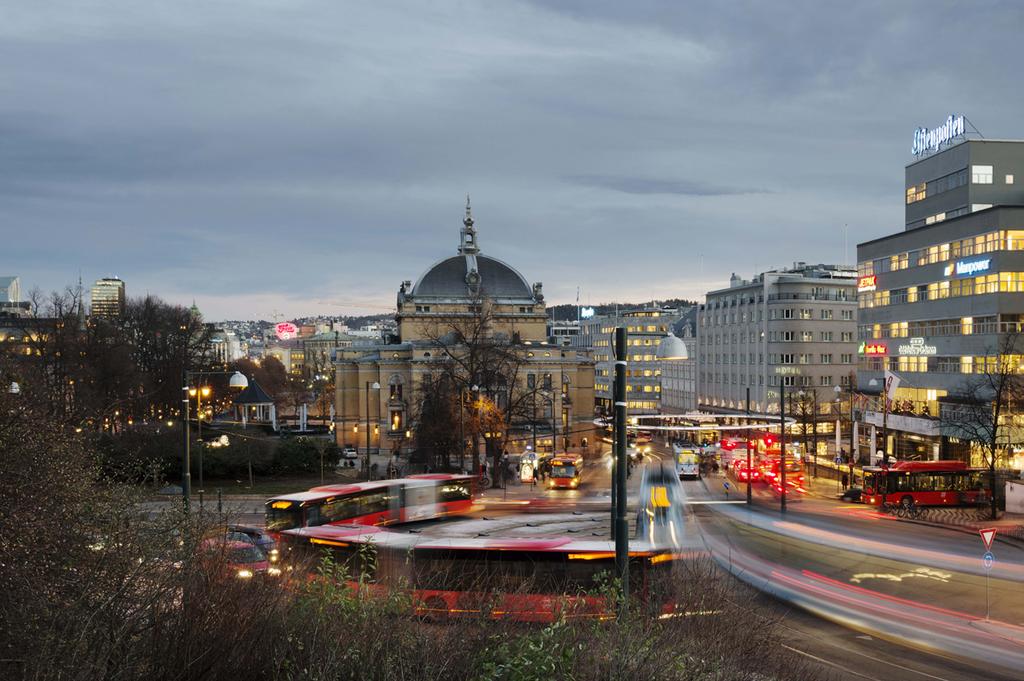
(750, 494)
(814, 427)
(782, 442)
(621, 528)
(853, 440)
(367, 430)
(186, 463)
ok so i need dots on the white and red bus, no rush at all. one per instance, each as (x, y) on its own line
(379, 502)
(925, 483)
(523, 579)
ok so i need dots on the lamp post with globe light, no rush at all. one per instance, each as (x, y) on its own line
(238, 381)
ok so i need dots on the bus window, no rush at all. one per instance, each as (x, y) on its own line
(455, 491)
(279, 519)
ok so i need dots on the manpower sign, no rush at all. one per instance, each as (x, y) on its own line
(926, 140)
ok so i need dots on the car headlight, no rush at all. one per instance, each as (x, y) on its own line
(273, 571)
(274, 555)
(244, 574)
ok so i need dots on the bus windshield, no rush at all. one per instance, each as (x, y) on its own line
(279, 519)
(563, 471)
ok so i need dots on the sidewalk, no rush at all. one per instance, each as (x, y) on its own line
(964, 519)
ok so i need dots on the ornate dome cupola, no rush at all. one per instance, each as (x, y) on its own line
(456, 285)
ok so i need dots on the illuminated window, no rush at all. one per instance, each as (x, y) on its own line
(1009, 179)
(981, 174)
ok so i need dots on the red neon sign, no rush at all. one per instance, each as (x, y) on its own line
(876, 349)
(286, 330)
(867, 283)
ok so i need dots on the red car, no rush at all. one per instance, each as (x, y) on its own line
(742, 472)
(242, 559)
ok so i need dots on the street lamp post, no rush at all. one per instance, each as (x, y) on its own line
(199, 394)
(782, 443)
(376, 386)
(238, 380)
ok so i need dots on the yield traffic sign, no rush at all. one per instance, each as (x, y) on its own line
(987, 535)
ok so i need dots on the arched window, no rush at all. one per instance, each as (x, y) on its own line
(395, 388)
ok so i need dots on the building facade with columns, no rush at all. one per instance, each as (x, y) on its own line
(467, 299)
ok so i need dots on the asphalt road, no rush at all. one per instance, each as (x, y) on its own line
(854, 605)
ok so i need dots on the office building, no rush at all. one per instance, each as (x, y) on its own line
(108, 299)
(677, 358)
(940, 299)
(646, 328)
(794, 327)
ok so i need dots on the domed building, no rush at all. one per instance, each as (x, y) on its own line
(476, 322)
(460, 284)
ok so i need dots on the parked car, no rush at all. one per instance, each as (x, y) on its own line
(349, 452)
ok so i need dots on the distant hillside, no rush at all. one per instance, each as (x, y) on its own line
(567, 311)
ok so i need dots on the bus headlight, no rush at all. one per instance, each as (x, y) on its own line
(244, 574)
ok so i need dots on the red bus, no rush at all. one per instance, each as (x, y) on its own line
(565, 472)
(523, 579)
(380, 502)
(925, 483)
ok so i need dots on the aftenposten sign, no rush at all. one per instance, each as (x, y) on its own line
(926, 140)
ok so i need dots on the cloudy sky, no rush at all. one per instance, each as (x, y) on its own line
(301, 157)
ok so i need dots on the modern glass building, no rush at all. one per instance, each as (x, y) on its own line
(939, 300)
(108, 298)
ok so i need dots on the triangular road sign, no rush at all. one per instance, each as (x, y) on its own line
(987, 536)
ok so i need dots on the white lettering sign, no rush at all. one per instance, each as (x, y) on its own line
(587, 312)
(916, 347)
(926, 140)
(965, 268)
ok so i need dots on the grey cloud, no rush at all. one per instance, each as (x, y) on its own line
(325, 148)
(645, 185)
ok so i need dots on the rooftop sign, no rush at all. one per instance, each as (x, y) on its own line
(286, 330)
(587, 312)
(926, 140)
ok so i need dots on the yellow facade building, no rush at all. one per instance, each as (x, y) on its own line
(460, 304)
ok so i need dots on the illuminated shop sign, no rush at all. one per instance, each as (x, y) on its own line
(867, 283)
(587, 312)
(916, 347)
(926, 140)
(286, 330)
(966, 268)
(873, 349)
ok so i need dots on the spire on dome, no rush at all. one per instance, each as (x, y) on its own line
(467, 242)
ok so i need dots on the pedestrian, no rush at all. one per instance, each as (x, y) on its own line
(845, 480)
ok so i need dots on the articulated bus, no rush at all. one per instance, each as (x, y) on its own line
(926, 483)
(380, 502)
(565, 472)
(535, 579)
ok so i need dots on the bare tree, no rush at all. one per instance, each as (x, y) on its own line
(983, 410)
(482, 369)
